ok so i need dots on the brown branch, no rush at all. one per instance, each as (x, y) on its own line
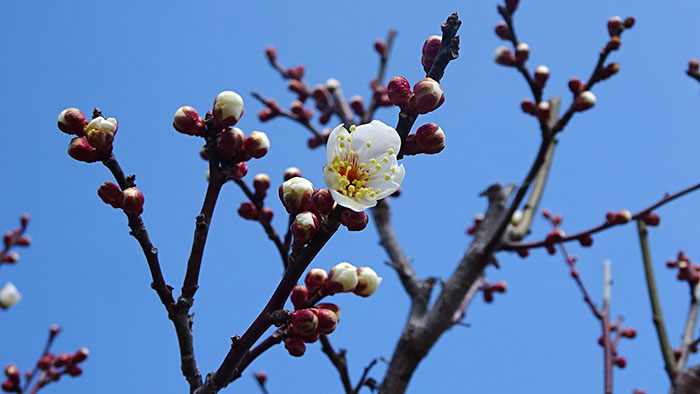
(290, 115)
(363, 378)
(586, 296)
(384, 57)
(607, 345)
(339, 362)
(298, 262)
(657, 315)
(271, 233)
(513, 246)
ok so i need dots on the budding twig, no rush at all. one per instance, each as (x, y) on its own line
(290, 115)
(369, 114)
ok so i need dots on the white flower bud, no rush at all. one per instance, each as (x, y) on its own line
(367, 282)
(228, 108)
(9, 296)
(342, 278)
(295, 194)
(100, 132)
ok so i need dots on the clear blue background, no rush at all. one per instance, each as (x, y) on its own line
(140, 61)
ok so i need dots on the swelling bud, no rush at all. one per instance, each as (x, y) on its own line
(72, 121)
(81, 150)
(367, 282)
(430, 139)
(9, 295)
(132, 201)
(431, 47)
(342, 278)
(228, 108)
(427, 96)
(100, 133)
(305, 226)
(399, 91)
(257, 144)
(187, 121)
(295, 194)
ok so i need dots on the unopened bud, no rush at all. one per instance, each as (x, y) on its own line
(12, 372)
(357, 105)
(24, 240)
(239, 170)
(10, 387)
(430, 139)
(296, 72)
(257, 144)
(304, 321)
(63, 359)
(575, 86)
(399, 91)
(230, 141)
(291, 172)
(9, 295)
(247, 210)
(528, 106)
(584, 101)
(380, 47)
(81, 150)
(261, 182)
(110, 194)
(628, 333)
(321, 95)
(585, 240)
(299, 88)
(523, 252)
(511, 5)
(295, 194)
(609, 70)
(621, 362)
(54, 330)
(500, 286)
(693, 65)
(187, 121)
(299, 297)
(295, 346)
(502, 31)
(652, 219)
(24, 220)
(427, 96)
(132, 201)
(543, 110)
(228, 108)
(72, 121)
(615, 26)
(271, 53)
(614, 44)
(431, 47)
(342, 278)
(11, 258)
(367, 282)
(522, 52)
(315, 279)
(322, 201)
(623, 216)
(503, 56)
(327, 321)
(261, 377)
(332, 307)
(45, 362)
(354, 221)
(541, 76)
(100, 133)
(75, 370)
(305, 226)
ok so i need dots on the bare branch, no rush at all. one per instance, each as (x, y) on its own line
(339, 362)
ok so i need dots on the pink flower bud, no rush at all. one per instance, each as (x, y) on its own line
(24, 240)
(623, 216)
(305, 226)
(430, 139)
(327, 321)
(72, 121)
(295, 346)
(304, 321)
(528, 106)
(315, 280)
(615, 26)
(322, 201)
(321, 95)
(354, 221)
(503, 56)
(239, 170)
(24, 219)
(411, 146)
(329, 306)
(299, 297)
(431, 47)
(295, 194)
(81, 355)
(228, 108)
(299, 88)
(110, 194)
(367, 282)
(81, 150)
(628, 332)
(502, 31)
(271, 53)
(380, 47)
(291, 172)
(100, 133)
(261, 182)
(357, 105)
(247, 210)
(427, 96)
(296, 72)
(541, 76)
(499, 287)
(265, 114)
(522, 53)
(11, 258)
(132, 201)
(257, 144)
(187, 121)
(230, 141)
(265, 215)
(399, 91)
(342, 278)
(575, 85)
(584, 101)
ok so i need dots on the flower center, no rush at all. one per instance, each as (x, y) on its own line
(351, 176)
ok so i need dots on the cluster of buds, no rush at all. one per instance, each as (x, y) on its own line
(428, 139)
(50, 367)
(620, 217)
(503, 56)
(687, 271)
(130, 200)
(308, 324)
(290, 72)
(15, 238)
(678, 352)
(427, 94)
(622, 332)
(249, 210)
(235, 147)
(616, 25)
(93, 140)
(489, 289)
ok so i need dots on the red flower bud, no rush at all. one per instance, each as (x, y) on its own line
(430, 139)
(585, 240)
(628, 333)
(63, 359)
(399, 91)
(652, 219)
(81, 355)
(431, 46)
(304, 321)
(575, 86)
(299, 88)
(427, 96)
(332, 307)
(9, 387)
(322, 201)
(327, 321)
(45, 362)
(257, 144)
(261, 182)
(110, 194)
(354, 221)
(271, 53)
(132, 201)
(693, 65)
(511, 5)
(187, 121)
(523, 252)
(261, 377)
(522, 53)
(72, 121)
(411, 145)
(502, 31)
(299, 297)
(503, 56)
(315, 280)
(614, 44)
(81, 150)
(541, 76)
(75, 370)
(239, 170)
(615, 26)
(620, 362)
(247, 210)
(380, 47)
(265, 215)
(230, 141)
(12, 372)
(629, 22)
(584, 101)
(305, 226)
(528, 106)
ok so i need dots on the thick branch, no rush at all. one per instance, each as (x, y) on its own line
(657, 315)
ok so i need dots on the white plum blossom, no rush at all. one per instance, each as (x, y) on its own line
(362, 166)
(9, 295)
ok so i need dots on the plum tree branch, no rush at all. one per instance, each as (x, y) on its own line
(339, 362)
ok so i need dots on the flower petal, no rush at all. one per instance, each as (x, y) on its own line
(357, 205)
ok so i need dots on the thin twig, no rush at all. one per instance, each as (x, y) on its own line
(364, 376)
(657, 315)
(379, 81)
(607, 344)
(586, 296)
(290, 115)
(339, 362)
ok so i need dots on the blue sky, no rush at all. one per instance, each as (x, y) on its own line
(140, 62)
